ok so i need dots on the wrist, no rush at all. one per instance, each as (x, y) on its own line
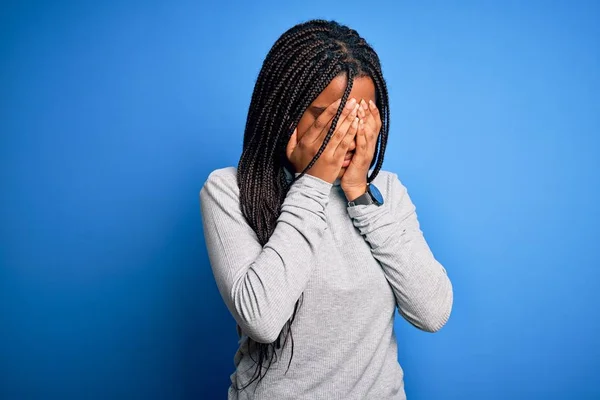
(354, 192)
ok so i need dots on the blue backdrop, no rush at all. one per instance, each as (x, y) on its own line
(113, 114)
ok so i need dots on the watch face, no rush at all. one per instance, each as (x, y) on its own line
(376, 194)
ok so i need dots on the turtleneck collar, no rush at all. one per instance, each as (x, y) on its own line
(290, 176)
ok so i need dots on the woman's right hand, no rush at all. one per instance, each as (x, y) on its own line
(328, 165)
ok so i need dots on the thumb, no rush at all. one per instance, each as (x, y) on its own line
(292, 143)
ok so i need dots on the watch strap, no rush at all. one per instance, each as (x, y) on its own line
(364, 199)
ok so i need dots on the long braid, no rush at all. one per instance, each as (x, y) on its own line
(333, 123)
(297, 68)
(381, 87)
(374, 71)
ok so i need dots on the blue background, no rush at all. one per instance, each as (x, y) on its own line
(113, 114)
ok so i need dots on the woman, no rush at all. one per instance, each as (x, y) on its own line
(311, 252)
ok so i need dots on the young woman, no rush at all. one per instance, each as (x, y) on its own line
(312, 245)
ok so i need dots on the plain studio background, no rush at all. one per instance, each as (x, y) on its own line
(112, 115)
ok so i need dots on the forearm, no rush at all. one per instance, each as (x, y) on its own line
(262, 284)
(420, 284)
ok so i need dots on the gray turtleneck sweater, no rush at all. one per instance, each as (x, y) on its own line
(354, 267)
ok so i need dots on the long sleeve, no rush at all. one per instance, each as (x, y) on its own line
(420, 284)
(261, 284)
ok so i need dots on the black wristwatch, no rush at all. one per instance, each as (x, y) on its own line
(371, 196)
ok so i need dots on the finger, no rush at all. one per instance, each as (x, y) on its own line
(342, 129)
(292, 143)
(346, 114)
(364, 111)
(361, 152)
(371, 134)
(344, 145)
(370, 121)
(369, 117)
(376, 115)
(323, 122)
(361, 111)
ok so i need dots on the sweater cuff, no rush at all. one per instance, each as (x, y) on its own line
(312, 182)
(362, 210)
(306, 194)
(374, 222)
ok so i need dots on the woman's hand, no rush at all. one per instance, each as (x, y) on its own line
(354, 180)
(328, 165)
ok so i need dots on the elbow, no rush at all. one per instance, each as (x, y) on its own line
(258, 331)
(435, 321)
(438, 314)
(432, 315)
(258, 319)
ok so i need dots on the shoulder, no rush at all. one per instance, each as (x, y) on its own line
(223, 175)
(220, 183)
(388, 183)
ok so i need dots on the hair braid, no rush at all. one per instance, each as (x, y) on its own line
(333, 123)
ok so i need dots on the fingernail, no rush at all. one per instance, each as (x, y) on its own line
(350, 104)
(364, 104)
(355, 109)
(371, 104)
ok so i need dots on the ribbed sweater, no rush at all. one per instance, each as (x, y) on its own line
(354, 267)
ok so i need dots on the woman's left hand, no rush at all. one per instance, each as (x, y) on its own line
(354, 180)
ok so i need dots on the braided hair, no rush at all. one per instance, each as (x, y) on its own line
(299, 66)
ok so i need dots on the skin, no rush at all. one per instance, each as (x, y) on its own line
(349, 153)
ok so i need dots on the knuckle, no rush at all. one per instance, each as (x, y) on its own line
(308, 148)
